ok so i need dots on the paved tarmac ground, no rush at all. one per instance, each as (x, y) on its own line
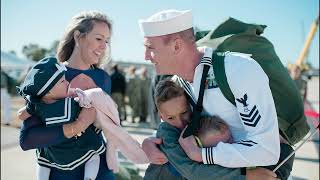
(21, 165)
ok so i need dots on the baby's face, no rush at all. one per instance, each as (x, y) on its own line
(176, 112)
(60, 89)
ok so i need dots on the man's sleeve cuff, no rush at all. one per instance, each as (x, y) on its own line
(207, 155)
(203, 155)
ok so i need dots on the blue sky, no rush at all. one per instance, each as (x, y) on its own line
(42, 22)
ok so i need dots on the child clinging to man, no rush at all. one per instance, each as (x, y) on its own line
(174, 109)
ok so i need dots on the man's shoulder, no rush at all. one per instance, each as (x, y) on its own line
(240, 63)
(235, 59)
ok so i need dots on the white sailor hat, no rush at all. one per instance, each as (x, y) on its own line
(166, 22)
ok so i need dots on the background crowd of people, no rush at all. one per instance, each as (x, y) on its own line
(132, 91)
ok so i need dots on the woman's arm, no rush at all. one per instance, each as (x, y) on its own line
(34, 134)
(86, 117)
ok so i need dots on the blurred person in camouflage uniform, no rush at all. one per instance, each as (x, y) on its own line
(144, 85)
(118, 90)
(133, 92)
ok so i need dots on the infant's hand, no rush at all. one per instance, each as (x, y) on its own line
(23, 114)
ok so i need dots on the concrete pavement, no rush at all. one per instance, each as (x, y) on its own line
(21, 165)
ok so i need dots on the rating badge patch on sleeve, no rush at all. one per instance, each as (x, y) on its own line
(250, 117)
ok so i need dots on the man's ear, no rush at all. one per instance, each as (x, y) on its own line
(177, 45)
(76, 37)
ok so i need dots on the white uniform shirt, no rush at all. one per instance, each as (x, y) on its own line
(253, 123)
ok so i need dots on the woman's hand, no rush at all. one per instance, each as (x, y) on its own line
(149, 146)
